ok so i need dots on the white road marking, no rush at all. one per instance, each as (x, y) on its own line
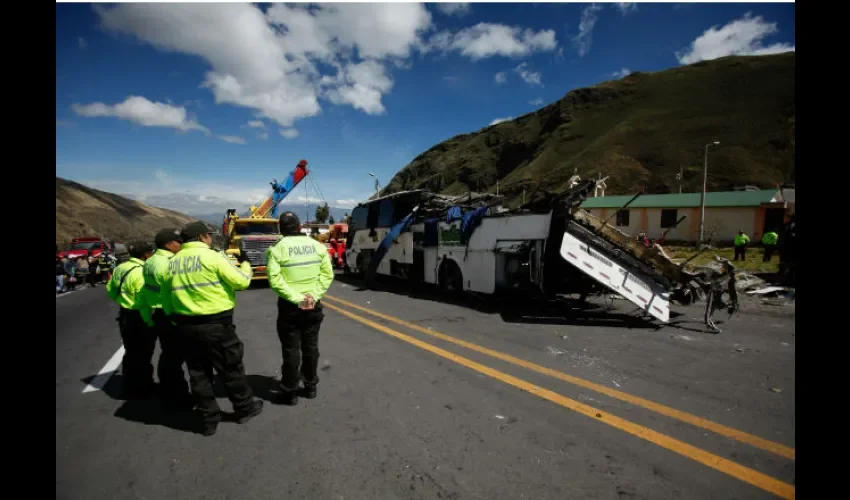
(106, 372)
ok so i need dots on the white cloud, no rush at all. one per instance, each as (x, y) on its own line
(486, 40)
(500, 77)
(232, 139)
(531, 78)
(307, 199)
(256, 124)
(349, 203)
(455, 9)
(626, 7)
(142, 112)
(267, 61)
(168, 188)
(289, 133)
(584, 39)
(360, 85)
(81, 42)
(621, 73)
(536, 102)
(500, 120)
(741, 37)
(263, 135)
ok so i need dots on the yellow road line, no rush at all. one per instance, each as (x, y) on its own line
(689, 418)
(753, 477)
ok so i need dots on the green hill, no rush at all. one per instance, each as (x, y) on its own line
(639, 130)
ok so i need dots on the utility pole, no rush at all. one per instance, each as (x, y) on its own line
(702, 196)
(679, 178)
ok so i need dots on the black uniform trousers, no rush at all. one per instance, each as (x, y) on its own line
(139, 343)
(741, 251)
(169, 369)
(298, 332)
(768, 252)
(213, 347)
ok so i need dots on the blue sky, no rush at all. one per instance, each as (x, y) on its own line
(196, 107)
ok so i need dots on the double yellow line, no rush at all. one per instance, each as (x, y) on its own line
(746, 474)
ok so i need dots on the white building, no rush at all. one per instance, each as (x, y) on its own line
(726, 213)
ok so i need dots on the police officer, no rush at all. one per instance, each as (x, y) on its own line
(300, 272)
(173, 387)
(741, 242)
(200, 293)
(133, 318)
(769, 240)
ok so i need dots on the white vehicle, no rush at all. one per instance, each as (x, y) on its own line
(489, 252)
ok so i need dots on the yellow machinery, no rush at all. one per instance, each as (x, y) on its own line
(258, 231)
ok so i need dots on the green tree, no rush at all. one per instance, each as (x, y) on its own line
(322, 213)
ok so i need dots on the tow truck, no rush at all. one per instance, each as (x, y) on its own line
(257, 231)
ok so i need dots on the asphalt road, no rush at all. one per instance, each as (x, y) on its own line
(423, 398)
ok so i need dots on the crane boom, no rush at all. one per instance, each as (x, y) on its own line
(268, 208)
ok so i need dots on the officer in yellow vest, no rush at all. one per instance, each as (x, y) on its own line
(741, 242)
(300, 272)
(172, 381)
(769, 241)
(139, 340)
(201, 290)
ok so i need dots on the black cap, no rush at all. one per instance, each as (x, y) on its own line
(193, 230)
(289, 223)
(166, 236)
(138, 249)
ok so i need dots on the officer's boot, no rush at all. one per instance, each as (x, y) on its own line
(288, 397)
(252, 411)
(309, 391)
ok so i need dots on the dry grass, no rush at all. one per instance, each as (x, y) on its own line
(753, 263)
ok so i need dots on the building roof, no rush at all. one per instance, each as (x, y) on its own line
(686, 200)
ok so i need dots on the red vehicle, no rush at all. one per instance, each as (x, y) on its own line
(85, 247)
(334, 239)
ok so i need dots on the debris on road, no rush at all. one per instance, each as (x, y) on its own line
(615, 383)
(555, 351)
(775, 389)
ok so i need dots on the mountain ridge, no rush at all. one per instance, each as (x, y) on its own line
(639, 130)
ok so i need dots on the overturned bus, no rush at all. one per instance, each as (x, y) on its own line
(472, 243)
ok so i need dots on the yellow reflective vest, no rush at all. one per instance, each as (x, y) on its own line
(128, 296)
(155, 271)
(297, 265)
(202, 282)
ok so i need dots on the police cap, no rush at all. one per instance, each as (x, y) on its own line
(289, 223)
(166, 236)
(193, 230)
(138, 249)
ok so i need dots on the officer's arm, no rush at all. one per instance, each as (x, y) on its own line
(277, 282)
(239, 278)
(325, 278)
(136, 282)
(112, 288)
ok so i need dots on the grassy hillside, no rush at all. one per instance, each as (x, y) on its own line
(83, 211)
(639, 130)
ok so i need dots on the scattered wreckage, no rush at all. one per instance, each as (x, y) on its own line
(548, 247)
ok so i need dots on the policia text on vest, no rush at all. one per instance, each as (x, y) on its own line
(300, 272)
(201, 289)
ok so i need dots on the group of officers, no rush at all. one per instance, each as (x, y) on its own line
(181, 291)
